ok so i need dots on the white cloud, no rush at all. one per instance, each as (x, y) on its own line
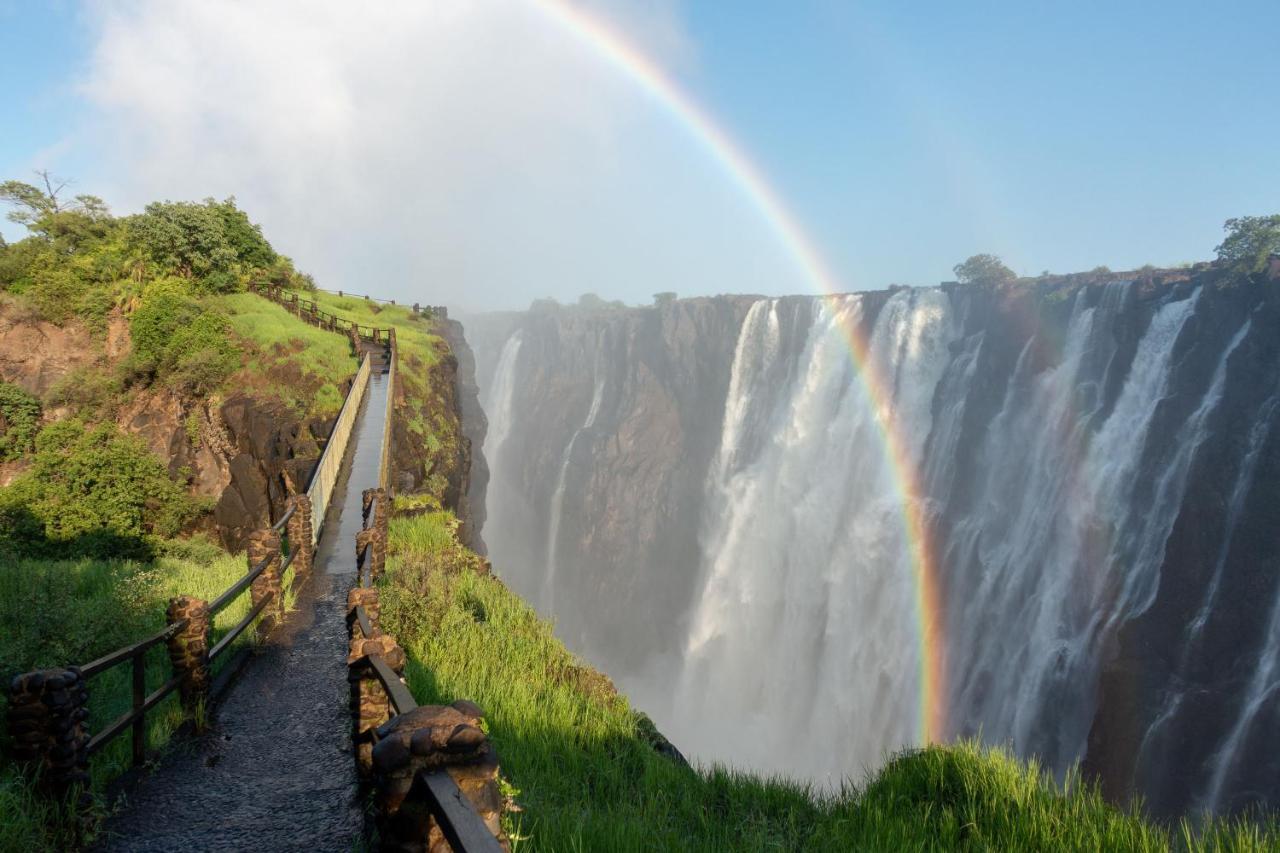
(464, 151)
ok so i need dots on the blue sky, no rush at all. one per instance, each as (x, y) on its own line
(904, 136)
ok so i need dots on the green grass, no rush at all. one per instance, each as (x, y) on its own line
(285, 344)
(413, 333)
(60, 612)
(589, 779)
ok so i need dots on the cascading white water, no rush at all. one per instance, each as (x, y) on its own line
(806, 620)
(548, 599)
(499, 400)
(1056, 459)
(1048, 550)
(1265, 681)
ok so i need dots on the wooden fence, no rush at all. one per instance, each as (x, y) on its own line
(48, 708)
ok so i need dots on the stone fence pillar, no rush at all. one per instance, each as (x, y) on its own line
(370, 705)
(366, 597)
(46, 727)
(431, 737)
(189, 648)
(377, 517)
(266, 543)
(301, 534)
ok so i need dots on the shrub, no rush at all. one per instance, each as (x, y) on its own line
(92, 491)
(210, 241)
(19, 421)
(179, 341)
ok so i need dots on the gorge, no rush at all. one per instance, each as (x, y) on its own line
(806, 532)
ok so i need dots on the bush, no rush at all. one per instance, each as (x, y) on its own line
(179, 341)
(19, 421)
(92, 491)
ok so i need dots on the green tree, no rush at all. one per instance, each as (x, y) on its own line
(664, 298)
(244, 237)
(983, 269)
(1250, 241)
(184, 238)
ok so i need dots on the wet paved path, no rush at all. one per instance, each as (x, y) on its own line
(274, 771)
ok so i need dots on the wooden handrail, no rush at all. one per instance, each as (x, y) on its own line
(239, 586)
(230, 637)
(109, 734)
(284, 519)
(401, 699)
(119, 656)
(456, 817)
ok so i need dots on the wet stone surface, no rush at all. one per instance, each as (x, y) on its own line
(274, 770)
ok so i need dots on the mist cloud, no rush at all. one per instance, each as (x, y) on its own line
(460, 152)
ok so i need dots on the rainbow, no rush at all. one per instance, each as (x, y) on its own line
(602, 41)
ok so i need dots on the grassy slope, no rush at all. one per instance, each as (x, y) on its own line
(590, 780)
(282, 343)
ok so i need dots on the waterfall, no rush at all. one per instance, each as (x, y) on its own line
(806, 621)
(1053, 549)
(547, 605)
(1094, 465)
(498, 403)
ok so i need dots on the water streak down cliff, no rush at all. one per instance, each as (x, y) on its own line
(699, 493)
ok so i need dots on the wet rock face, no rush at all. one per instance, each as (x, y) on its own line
(470, 488)
(630, 479)
(270, 456)
(248, 454)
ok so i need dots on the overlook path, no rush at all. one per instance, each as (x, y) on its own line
(274, 770)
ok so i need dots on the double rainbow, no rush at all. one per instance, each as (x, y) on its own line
(738, 168)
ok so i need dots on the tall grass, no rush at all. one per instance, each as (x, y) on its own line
(286, 343)
(589, 778)
(61, 612)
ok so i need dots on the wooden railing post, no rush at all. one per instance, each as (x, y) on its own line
(426, 739)
(265, 544)
(189, 649)
(46, 727)
(300, 533)
(370, 705)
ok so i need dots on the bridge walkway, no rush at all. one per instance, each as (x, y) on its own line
(274, 769)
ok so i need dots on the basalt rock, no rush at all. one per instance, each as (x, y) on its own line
(432, 737)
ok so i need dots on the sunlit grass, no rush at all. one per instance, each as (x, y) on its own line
(61, 612)
(588, 779)
(414, 333)
(284, 342)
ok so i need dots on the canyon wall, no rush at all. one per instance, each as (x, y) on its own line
(1071, 485)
